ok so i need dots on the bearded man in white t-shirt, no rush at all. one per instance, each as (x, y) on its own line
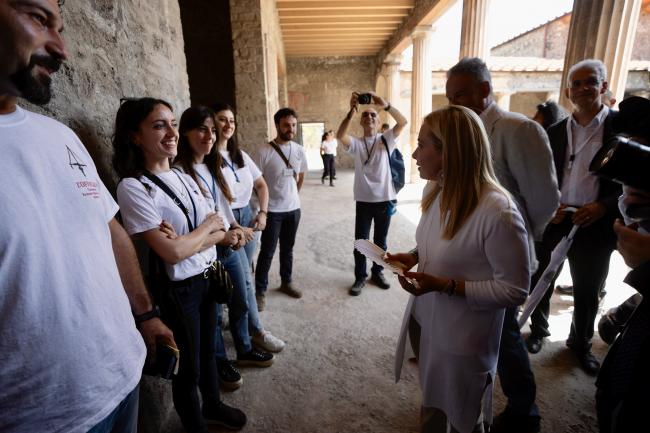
(373, 185)
(70, 282)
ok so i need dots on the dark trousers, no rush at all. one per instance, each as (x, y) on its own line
(366, 214)
(281, 226)
(191, 314)
(517, 379)
(589, 261)
(329, 167)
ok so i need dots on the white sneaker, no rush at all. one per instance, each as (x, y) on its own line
(267, 341)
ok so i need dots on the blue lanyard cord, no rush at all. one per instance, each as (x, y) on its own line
(189, 194)
(232, 168)
(212, 190)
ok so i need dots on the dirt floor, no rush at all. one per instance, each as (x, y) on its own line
(336, 373)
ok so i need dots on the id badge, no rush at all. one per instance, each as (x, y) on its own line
(288, 172)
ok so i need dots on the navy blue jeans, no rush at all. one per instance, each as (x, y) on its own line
(190, 312)
(124, 418)
(517, 379)
(280, 226)
(366, 214)
(237, 307)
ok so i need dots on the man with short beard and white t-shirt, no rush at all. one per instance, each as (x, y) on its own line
(373, 185)
(70, 282)
(283, 164)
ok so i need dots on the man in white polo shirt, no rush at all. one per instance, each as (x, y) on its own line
(283, 164)
(373, 186)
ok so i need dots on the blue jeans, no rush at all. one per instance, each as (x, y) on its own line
(280, 226)
(237, 307)
(244, 217)
(517, 379)
(189, 310)
(124, 418)
(366, 213)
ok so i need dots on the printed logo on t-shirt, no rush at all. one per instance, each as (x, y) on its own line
(88, 188)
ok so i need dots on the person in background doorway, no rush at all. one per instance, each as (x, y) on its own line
(328, 153)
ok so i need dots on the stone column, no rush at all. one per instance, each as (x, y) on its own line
(420, 87)
(503, 100)
(392, 84)
(473, 39)
(602, 29)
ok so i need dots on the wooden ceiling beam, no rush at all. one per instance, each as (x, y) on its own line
(343, 19)
(283, 5)
(335, 13)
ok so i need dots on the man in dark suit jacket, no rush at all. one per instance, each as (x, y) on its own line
(574, 142)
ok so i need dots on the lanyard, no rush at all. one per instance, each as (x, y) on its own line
(212, 190)
(371, 148)
(573, 152)
(232, 167)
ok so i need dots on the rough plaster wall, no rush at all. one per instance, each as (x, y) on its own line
(526, 102)
(274, 61)
(117, 49)
(320, 88)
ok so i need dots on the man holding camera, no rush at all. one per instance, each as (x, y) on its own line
(373, 187)
(575, 141)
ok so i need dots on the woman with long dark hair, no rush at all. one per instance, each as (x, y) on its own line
(153, 199)
(198, 157)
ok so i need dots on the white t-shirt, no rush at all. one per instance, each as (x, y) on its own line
(372, 178)
(219, 202)
(143, 209)
(329, 147)
(69, 351)
(240, 179)
(283, 189)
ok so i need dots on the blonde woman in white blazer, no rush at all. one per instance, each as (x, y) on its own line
(472, 262)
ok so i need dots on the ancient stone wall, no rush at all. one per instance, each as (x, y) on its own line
(117, 49)
(320, 88)
(259, 61)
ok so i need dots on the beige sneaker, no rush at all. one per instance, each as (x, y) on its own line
(290, 290)
(267, 341)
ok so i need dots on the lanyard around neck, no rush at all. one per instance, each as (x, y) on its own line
(374, 141)
(231, 166)
(573, 152)
(213, 190)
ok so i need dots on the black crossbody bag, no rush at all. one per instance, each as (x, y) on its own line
(221, 288)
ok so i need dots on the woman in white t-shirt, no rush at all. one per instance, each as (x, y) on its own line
(199, 156)
(328, 153)
(145, 141)
(472, 257)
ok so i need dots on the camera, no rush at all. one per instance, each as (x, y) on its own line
(365, 98)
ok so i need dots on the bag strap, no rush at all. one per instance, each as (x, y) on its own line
(167, 190)
(275, 146)
(383, 140)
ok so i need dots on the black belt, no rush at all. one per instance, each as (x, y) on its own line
(198, 277)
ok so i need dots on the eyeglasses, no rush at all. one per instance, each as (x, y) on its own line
(590, 82)
(368, 113)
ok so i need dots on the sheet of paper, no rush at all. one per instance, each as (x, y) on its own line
(376, 254)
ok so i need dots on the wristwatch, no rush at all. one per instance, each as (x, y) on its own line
(154, 312)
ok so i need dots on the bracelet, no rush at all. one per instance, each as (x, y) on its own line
(154, 312)
(414, 253)
(388, 107)
(263, 211)
(450, 288)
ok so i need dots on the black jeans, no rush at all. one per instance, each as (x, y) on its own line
(281, 226)
(366, 213)
(589, 261)
(329, 168)
(191, 314)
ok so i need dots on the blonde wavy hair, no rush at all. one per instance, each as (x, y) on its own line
(466, 164)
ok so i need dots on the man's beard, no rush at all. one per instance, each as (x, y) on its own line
(36, 90)
(285, 136)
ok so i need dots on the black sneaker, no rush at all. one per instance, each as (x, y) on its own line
(380, 281)
(229, 376)
(355, 290)
(225, 416)
(255, 358)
